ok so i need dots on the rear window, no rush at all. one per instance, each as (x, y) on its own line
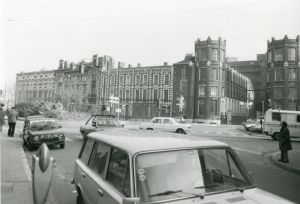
(276, 116)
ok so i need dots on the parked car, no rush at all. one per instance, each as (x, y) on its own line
(167, 124)
(257, 126)
(100, 122)
(139, 166)
(249, 123)
(38, 130)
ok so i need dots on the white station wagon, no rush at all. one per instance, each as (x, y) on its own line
(137, 166)
(166, 124)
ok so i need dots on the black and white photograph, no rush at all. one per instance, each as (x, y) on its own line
(150, 101)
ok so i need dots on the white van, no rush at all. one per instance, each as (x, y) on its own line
(273, 118)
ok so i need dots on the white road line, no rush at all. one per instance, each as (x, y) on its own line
(248, 151)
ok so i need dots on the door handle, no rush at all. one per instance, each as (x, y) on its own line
(82, 174)
(100, 192)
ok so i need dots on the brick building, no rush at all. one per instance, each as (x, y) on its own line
(283, 73)
(212, 89)
(35, 86)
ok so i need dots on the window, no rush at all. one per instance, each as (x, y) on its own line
(166, 95)
(278, 75)
(128, 79)
(291, 105)
(202, 74)
(276, 116)
(137, 95)
(203, 54)
(167, 79)
(137, 79)
(127, 94)
(201, 91)
(278, 92)
(183, 73)
(213, 74)
(213, 91)
(118, 171)
(268, 76)
(269, 56)
(278, 54)
(298, 118)
(291, 54)
(183, 85)
(156, 79)
(144, 95)
(99, 158)
(85, 154)
(145, 79)
(121, 79)
(214, 54)
(292, 74)
(292, 92)
(112, 80)
(155, 95)
(201, 107)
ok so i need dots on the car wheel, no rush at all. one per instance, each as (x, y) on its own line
(62, 145)
(79, 198)
(180, 131)
(29, 146)
(276, 136)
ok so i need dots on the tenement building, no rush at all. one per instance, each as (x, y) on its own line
(35, 86)
(213, 91)
(283, 73)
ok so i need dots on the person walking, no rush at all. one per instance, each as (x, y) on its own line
(284, 142)
(12, 120)
(2, 114)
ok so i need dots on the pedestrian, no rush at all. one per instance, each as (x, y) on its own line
(12, 120)
(2, 114)
(284, 142)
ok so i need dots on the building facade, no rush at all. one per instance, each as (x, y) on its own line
(213, 90)
(255, 70)
(35, 86)
(283, 74)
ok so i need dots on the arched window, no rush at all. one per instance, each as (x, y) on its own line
(166, 95)
(155, 95)
(144, 95)
(156, 81)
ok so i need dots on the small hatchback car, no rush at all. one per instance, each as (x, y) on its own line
(137, 166)
(38, 130)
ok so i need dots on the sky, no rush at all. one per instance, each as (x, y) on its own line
(36, 34)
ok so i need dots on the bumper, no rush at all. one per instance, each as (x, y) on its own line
(47, 142)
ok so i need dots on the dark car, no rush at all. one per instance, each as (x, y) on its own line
(38, 130)
(100, 122)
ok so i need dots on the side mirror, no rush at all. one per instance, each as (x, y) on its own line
(42, 174)
(131, 201)
(94, 123)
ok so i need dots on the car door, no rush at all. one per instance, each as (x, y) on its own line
(158, 124)
(167, 125)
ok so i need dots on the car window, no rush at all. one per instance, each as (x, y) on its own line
(159, 121)
(276, 117)
(86, 152)
(89, 122)
(298, 118)
(155, 120)
(99, 158)
(166, 121)
(117, 173)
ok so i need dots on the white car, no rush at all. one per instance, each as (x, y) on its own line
(137, 167)
(167, 124)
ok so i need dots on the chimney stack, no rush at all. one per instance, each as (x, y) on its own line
(165, 63)
(139, 65)
(61, 64)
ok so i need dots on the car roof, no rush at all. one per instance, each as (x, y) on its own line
(33, 118)
(112, 116)
(135, 140)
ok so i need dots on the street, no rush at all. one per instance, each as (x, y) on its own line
(254, 151)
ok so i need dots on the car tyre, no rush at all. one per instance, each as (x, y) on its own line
(62, 146)
(79, 198)
(180, 131)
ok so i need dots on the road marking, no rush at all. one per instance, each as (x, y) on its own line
(248, 151)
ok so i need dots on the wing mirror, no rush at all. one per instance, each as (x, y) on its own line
(42, 173)
(131, 201)
(94, 123)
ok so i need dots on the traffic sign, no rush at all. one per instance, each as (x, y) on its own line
(118, 110)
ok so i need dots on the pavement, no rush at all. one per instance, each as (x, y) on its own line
(294, 164)
(15, 173)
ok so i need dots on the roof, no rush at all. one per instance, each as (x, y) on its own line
(134, 141)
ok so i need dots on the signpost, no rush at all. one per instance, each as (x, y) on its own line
(115, 100)
(180, 104)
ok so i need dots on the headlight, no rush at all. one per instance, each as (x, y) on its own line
(36, 138)
(61, 137)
